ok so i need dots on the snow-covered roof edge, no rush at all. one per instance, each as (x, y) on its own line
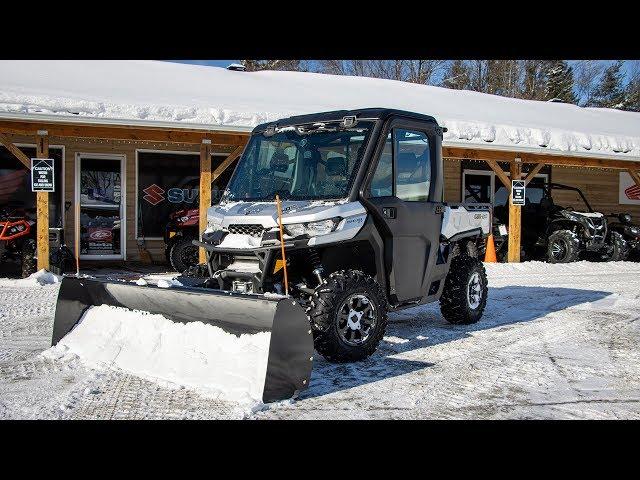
(178, 96)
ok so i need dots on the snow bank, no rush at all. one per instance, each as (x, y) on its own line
(41, 277)
(199, 356)
(144, 91)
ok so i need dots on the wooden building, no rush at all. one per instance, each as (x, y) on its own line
(156, 133)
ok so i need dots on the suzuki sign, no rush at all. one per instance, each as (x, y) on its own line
(154, 194)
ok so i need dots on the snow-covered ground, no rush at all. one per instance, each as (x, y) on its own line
(556, 341)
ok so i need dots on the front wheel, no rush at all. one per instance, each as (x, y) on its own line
(183, 254)
(464, 296)
(563, 247)
(348, 315)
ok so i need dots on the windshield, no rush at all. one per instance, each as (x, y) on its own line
(310, 162)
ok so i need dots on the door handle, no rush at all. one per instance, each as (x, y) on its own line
(389, 212)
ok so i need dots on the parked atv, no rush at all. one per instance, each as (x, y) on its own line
(18, 242)
(560, 234)
(179, 234)
(182, 229)
(621, 223)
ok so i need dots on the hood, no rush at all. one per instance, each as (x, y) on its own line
(266, 213)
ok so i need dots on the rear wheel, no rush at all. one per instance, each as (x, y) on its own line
(29, 261)
(348, 315)
(563, 247)
(464, 296)
(183, 254)
(617, 248)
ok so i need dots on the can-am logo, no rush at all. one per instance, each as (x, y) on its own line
(154, 194)
(632, 192)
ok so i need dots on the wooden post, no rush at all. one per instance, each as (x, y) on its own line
(513, 254)
(205, 191)
(42, 207)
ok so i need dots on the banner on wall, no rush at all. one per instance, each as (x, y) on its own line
(629, 192)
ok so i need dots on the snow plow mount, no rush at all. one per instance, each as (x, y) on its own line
(290, 352)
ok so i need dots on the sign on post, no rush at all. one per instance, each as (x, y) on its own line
(517, 192)
(42, 177)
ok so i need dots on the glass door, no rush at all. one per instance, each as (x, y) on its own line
(100, 191)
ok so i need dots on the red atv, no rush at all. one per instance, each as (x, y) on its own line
(18, 242)
(18, 238)
(179, 232)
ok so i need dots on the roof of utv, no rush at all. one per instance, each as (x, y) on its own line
(361, 114)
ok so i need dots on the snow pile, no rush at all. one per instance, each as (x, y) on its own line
(237, 240)
(153, 92)
(168, 283)
(40, 278)
(195, 355)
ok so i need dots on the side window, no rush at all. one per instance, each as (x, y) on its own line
(382, 182)
(413, 165)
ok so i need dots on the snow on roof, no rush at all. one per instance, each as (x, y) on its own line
(180, 95)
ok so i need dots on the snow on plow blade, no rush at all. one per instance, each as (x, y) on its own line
(290, 350)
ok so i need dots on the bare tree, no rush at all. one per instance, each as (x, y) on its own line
(414, 71)
(292, 65)
(586, 74)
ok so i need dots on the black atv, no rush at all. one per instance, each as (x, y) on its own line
(560, 234)
(622, 224)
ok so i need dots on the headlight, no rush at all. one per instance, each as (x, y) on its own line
(624, 218)
(213, 223)
(312, 229)
(569, 215)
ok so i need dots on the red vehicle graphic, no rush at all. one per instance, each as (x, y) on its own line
(632, 192)
(100, 234)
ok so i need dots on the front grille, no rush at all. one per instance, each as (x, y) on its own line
(251, 229)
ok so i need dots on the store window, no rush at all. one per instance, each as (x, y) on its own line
(168, 183)
(15, 184)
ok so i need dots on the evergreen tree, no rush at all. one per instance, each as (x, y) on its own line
(609, 92)
(632, 95)
(559, 81)
(456, 76)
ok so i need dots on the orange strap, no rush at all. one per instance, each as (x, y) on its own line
(284, 259)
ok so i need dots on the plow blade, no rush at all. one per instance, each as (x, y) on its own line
(290, 350)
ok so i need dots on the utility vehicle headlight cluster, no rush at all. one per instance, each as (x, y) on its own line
(213, 223)
(313, 229)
